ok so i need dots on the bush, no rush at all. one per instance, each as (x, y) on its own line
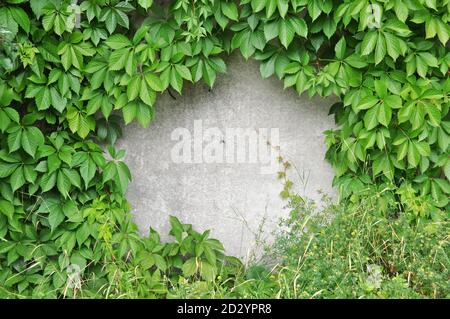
(362, 252)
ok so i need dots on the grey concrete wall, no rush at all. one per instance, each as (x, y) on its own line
(232, 199)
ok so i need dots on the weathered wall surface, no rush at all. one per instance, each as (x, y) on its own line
(232, 199)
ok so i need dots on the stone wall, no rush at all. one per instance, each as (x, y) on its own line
(238, 201)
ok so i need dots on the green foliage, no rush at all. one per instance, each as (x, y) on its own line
(370, 248)
(69, 68)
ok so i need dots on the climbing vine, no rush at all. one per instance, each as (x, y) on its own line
(70, 71)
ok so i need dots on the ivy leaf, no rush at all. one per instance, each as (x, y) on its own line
(176, 81)
(133, 88)
(123, 177)
(82, 233)
(384, 114)
(369, 42)
(118, 41)
(283, 6)
(286, 32)
(147, 95)
(55, 216)
(340, 49)
(58, 102)
(43, 99)
(189, 267)
(87, 171)
(154, 82)
(413, 155)
(371, 118)
(48, 181)
(63, 184)
(6, 208)
(20, 16)
(15, 139)
(183, 71)
(32, 137)
(17, 179)
(146, 4)
(380, 50)
(208, 271)
(367, 102)
(230, 10)
(314, 9)
(258, 5)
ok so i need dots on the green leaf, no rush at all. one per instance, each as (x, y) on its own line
(17, 179)
(15, 140)
(6, 208)
(433, 114)
(63, 184)
(283, 6)
(258, 5)
(146, 4)
(176, 81)
(271, 30)
(73, 177)
(369, 42)
(133, 88)
(58, 102)
(20, 16)
(340, 49)
(55, 216)
(413, 155)
(230, 10)
(189, 267)
(87, 171)
(209, 75)
(393, 101)
(154, 82)
(371, 118)
(384, 114)
(48, 181)
(146, 95)
(82, 233)
(285, 32)
(29, 144)
(123, 177)
(208, 271)
(380, 50)
(367, 102)
(43, 99)
(183, 71)
(118, 41)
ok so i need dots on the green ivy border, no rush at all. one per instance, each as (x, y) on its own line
(65, 66)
